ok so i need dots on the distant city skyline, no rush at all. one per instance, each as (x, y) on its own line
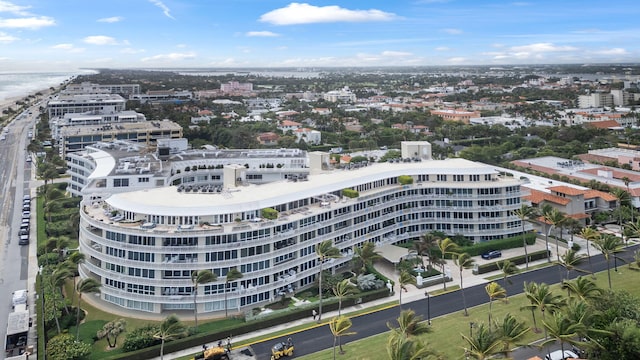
(43, 35)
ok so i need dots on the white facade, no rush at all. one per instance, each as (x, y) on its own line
(344, 95)
(85, 103)
(143, 245)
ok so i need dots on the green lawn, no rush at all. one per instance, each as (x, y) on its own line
(447, 330)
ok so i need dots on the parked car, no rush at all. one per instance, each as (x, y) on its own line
(24, 240)
(492, 254)
(559, 355)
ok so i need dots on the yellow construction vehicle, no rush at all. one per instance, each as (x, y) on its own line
(216, 353)
(282, 349)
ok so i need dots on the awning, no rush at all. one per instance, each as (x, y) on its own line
(393, 253)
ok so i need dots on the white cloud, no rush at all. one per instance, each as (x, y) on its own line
(100, 40)
(537, 51)
(614, 51)
(132, 51)
(261, 34)
(395, 53)
(63, 46)
(67, 48)
(170, 57)
(442, 48)
(165, 10)
(113, 19)
(452, 31)
(297, 13)
(456, 60)
(542, 47)
(6, 38)
(33, 23)
(6, 6)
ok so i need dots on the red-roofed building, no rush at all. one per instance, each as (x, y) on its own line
(268, 138)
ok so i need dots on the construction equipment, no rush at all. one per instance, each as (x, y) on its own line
(282, 349)
(216, 353)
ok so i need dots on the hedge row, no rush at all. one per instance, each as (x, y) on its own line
(265, 322)
(486, 246)
(518, 260)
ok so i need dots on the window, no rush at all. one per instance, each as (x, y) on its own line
(120, 182)
(143, 179)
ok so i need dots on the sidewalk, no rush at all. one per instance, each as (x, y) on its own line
(412, 293)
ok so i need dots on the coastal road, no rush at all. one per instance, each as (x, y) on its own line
(320, 338)
(15, 174)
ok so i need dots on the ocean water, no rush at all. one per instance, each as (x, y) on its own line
(13, 84)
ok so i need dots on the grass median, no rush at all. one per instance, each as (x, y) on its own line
(447, 330)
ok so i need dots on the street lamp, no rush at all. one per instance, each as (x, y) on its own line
(426, 293)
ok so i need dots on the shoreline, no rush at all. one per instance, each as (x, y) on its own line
(11, 102)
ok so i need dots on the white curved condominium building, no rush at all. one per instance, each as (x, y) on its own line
(143, 245)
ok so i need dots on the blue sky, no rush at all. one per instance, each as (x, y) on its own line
(67, 34)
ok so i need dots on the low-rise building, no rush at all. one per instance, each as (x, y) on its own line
(143, 246)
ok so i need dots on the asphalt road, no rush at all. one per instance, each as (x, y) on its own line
(15, 174)
(320, 338)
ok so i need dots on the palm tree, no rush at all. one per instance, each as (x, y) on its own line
(58, 279)
(589, 234)
(339, 327)
(542, 299)
(171, 328)
(410, 324)
(623, 199)
(484, 344)
(232, 275)
(343, 289)
(583, 288)
(495, 291)
(561, 330)
(627, 181)
(401, 347)
(608, 245)
(508, 268)
(544, 212)
(430, 242)
(570, 260)
(405, 279)
(524, 213)
(463, 261)
(367, 254)
(112, 330)
(199, 278)
(556, 218)
(324, 250)
(85, 286)
(529, 290)
(509, 331)
(447, 247)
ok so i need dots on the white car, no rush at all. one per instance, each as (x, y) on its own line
(558, 355)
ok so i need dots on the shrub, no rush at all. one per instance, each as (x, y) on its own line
(140, 338)
(64, 346)
(369, 282)
(350, 193)
(405, 180)
(270, 213)
(518, 260)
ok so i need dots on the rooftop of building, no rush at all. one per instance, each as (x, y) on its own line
(120, 127)
(169, 201)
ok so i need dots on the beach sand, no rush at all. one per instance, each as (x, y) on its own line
(11, 102)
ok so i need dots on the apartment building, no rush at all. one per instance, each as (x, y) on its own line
(143, 245)
(76, 138)
(85, 103)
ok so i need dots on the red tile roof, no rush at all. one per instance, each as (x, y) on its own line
(567, 190)
(537, 197)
